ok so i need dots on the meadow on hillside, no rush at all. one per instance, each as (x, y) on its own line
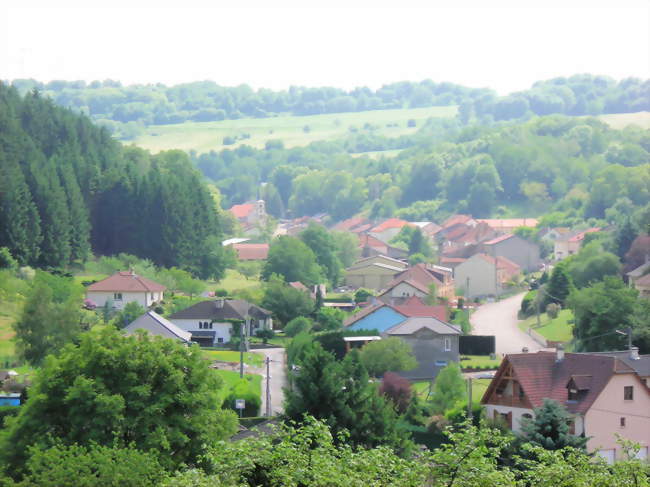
(293, 131)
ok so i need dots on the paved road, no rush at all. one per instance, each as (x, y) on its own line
(278, 379)
(500, 319)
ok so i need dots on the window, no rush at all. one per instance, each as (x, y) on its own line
(622, 422)
(219, 340)
(200, 325)
(441, 363)
(628, 393)
(573, 394)
(447, 344)
(521, 392)
(117, 296)
(211, 324)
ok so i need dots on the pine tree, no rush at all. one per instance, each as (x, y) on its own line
(79, 219)
(559, 286)
(20, 227)
(550, 428)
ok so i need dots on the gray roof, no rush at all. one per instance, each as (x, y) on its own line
(411, 325)
(159, 326)
(640, 366)
(639, 271)
(232, 309)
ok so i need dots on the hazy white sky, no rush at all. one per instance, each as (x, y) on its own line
(505, 45)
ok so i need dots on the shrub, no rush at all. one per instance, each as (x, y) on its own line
(552, 310)
(528, 304)
(228, 140)
(297, 325)
(265, 334)
(221, 293)
(362, 295)
(398, 390)
(245, 389)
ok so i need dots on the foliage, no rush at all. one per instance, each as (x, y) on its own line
(340, 394)
(286, 302)
(599, 311)
(528, 304)
(592, 263)
(347, 247)
(361, 295)
(70, 187)
(151, 393)
(387, 355)
(329, 319)
(131, 311)
(298, 348)
(398, 390)
(325, 249)
(333, 342)
(6, 260)
(448, 389)
(265, 334)
(292, 259)
(92, 466)
(248, 391)
(300, 324)
(51, 317)
(559, 286)
(550, 428)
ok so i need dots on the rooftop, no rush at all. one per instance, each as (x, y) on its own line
(246, 251)
(243, 210)
(221, 309)
(126, 281)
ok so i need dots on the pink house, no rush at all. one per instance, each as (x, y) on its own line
(604, 394)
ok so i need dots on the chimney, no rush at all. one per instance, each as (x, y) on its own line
(559, 353)
(219, 303)
(634, 353)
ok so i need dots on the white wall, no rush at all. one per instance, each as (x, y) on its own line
(143, 299)
(222, 329)
(403, 289)
(517, 414)
(481, 277)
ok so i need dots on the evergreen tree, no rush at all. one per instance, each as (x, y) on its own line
(559, 286)
(624, 237)
(20, 228)
(550, 428)
(448, 389)
(79, 219)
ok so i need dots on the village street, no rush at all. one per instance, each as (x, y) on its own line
(500, 319)
(278, 379)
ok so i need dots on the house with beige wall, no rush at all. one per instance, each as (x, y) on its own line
(604, 395)
(483, 275)
(373, 272)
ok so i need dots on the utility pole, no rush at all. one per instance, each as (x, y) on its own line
(469, 398)
(269, 410)
(467, 287)
(242, 346)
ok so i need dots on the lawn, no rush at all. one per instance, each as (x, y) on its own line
(234, 281)
(254, 359)
(294, 131)
(558, 329)
(479, 361)
(479, 387)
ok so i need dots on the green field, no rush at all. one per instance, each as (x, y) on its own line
(233, 281)
(254, 359)
(292, 130)
(622, 120)
(558, 329)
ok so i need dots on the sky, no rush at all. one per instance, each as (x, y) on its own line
(501, 44)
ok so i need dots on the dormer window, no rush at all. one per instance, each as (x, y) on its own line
(573, 394)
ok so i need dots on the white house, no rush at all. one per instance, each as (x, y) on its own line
(124, 287)
(210, 322)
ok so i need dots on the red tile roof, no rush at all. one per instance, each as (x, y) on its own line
(541, 376)
(126, 281)
(299, 286)
(580, 236)
(349, 224)
(246, 251)
(452, 260)
(370, 241)
(242, 211)
(422, 310)
(361, 228)
(501, 223)
(499, 239)
(391, 223)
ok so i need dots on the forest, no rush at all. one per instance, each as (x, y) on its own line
(573, 168)
(67, 189)
(112, 104)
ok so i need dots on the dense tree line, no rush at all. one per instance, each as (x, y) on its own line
(67, 188)
(572, 168)
(141, 105)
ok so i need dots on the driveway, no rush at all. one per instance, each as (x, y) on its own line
(278, 379)
(500, 319)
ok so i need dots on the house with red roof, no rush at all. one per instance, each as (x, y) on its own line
(570, 243)
(388, 229)
(249, 215)
(371, 246)
(249, 251)
(604, 395)
(416, 281)
(483, 275)
(514, 248)
(125, 287)
(508, 225)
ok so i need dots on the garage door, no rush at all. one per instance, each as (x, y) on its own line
(608, 455)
